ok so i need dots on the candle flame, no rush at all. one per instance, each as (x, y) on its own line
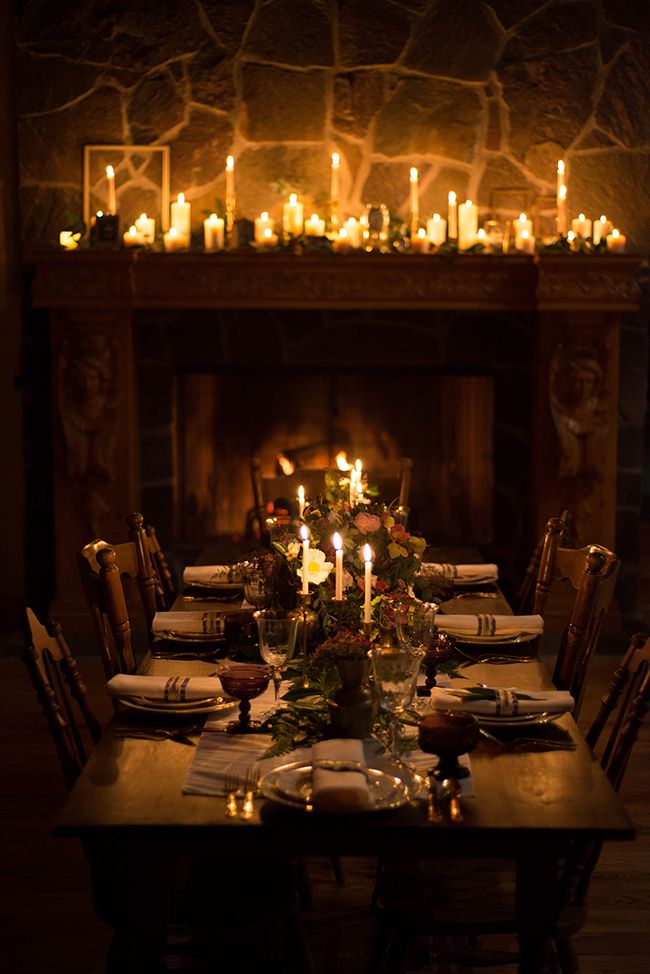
(581, 216)
(293, 199)
(336, 160)
(100, 212)
(468, 203)
(181, 198)
(143, 216)
(341, 460)
(264, 216)
(563, 192)
(133, 230)
(436, 217)
(173, 232)
(230, 163)
(268, 233)
(616, 233)
(367, 553)
(110, 172)
(480, 233)
(358, 466)
(213, 219)
(560, 166)
(314, 217)
(525, 235)
(413, 174)
(301, 493)
(304, 532)
(422, 233)
(451, 198)
(522, 217)
(286, 465)
(352, 222)
(337, 541)
(570, 236)
(603, 218)
(343, 233)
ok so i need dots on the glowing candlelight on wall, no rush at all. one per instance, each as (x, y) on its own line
(338, 546)
(367, 557)
(452, 216)
(301, 500)
(112, 202)
(304, 534)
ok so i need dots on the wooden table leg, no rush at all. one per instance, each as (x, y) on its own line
(538, 906)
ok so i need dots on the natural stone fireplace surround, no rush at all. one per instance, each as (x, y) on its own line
(574, 305)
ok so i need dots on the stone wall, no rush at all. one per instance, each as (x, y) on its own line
(481, 95)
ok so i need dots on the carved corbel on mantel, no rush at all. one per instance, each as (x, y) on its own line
(87, 395)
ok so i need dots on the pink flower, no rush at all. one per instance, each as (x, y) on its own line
(366, 523)
(399, 533)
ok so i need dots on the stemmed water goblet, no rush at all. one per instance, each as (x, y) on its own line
(416, 626)
(277, 641)
(448, 734)
(258, 585)
(244, 681)
(395, 672)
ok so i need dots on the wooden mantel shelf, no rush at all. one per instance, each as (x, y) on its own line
(86, 279)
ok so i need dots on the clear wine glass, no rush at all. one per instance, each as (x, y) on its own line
(416, 624)
(258, 586)
(277, 642)
(395, 673)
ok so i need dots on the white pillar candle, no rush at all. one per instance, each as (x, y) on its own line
(181, 217)
(132, 237)
(314, 226)
(304, 534)
(147, 228)
(526, 243)
(561, 197)
(467, 224)
(420, 244)
(335, 189)
(581, 226)
(341, 243)
(213, 233)
(292, 216)
(172, 240)
(269, 239)
(437, 230)
(414, 200)
(616, 242)
(561, 211)
(367, 588)
(112, 201)
(354, 231)
(602, 227)
(523, 223)
(69, 240)
(452, 216)
(338, 547)
(301, 500)
(263, 222)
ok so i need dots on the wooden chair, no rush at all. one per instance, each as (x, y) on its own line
(525, 595)
(161, 566)
(592, 573)
(410, 903)
(61, 693)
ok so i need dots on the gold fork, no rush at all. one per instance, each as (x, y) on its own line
(250, 789)
(231, 784)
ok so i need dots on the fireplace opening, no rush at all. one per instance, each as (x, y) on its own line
(298, 420)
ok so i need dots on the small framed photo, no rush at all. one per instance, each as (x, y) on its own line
(544, 217)
(507, 204)
(140, 182)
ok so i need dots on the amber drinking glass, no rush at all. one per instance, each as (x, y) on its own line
(244, 681)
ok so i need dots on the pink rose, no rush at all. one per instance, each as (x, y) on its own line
(366, 523)
(399, 533)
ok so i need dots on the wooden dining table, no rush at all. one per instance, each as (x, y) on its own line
(528, 806)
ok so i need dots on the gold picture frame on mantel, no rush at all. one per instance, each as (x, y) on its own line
(142, 181)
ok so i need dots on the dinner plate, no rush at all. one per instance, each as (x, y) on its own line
(205, 705)
(518, 720)
(226, 586)
(469, 640)
(290, 785)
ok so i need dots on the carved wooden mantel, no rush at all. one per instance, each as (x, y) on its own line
(92, 297)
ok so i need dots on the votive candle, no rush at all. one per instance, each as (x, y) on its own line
(314, 226)
(354, 231)
(213, 233)
(526, 243)
(132, 237)
(338, 547)
(172, 240)
(304, 534)
(147, 227)
(367, 557)
(616, 242)
(420, 243)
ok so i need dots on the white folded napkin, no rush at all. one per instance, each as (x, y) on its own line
(336, 790)
(189, 622)
(507, 702)
(462, 573)
(174, 689)
(489, 625)
(211, 574)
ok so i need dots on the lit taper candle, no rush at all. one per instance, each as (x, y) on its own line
(414, 201)
(452, 217)
(367, 588)
(304, 534)
(230, 194)
(337, 541)
(301, 500)
(561, 197)
(110, 179)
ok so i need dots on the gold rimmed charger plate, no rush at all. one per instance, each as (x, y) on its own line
(205, 705)
(291, 785)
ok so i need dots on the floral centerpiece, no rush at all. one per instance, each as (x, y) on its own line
(396, 554)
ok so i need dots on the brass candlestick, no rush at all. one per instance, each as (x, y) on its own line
(230, 217)
(307, 622)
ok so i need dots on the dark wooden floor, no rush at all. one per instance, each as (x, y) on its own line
(48, 924)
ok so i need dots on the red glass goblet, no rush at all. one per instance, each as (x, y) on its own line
(440, 648)
(244, 681)
(448, 735)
